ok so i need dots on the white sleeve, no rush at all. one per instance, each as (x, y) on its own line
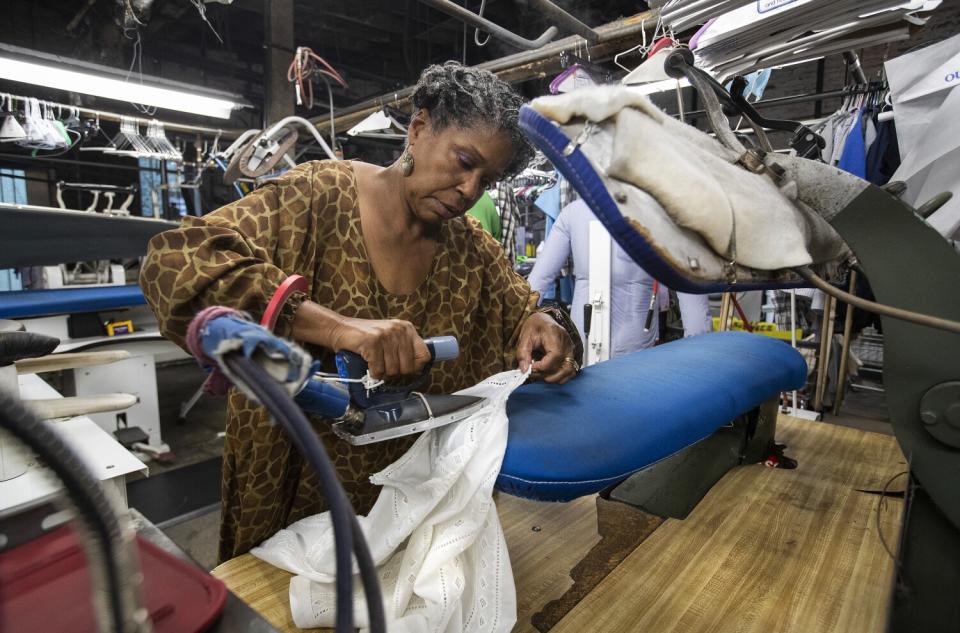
(556, 251)
(695, 314)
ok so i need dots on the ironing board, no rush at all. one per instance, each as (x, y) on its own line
(623, 415)
(37, 303)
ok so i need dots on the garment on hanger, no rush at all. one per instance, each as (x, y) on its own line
(851, 131)
(572, 78)
(567, 193)
(509, 211)
(548, 201)
(883, 155)
(869, 129)
(853, 159)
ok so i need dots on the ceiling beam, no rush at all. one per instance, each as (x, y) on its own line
(540, 63)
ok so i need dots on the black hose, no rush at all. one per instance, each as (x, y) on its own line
(883, 310)
(89, 500)
(348, 536)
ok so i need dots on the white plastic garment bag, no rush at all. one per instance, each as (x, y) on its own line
(434, 534)
(33, 126)
(10, 129)
(927, 110)
(40, 130)
(919, 84)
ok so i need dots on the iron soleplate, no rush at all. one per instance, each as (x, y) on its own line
(384, 422)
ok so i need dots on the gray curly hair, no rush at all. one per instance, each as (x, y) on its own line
(454, 94)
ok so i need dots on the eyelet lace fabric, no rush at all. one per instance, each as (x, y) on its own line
(434, 534)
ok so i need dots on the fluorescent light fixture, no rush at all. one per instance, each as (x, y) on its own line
(659, 86)
(799, 61)
(101, 86)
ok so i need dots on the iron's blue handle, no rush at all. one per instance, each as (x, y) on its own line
(352, 366)
(442, 347)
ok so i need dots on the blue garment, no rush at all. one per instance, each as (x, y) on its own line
(854, 156)
(756, 84)
(883, 157)
(549, 201)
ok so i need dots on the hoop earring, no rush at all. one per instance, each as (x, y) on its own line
(406, 163)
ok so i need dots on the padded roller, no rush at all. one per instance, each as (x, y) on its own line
(35, 303)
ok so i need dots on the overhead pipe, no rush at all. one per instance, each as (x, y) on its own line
(519, 66)
(853, 63)
(497, 31)
(564, 19)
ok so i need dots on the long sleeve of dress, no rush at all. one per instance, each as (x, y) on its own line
(236, 256)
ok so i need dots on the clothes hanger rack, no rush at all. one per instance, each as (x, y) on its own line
(808, 97)
(112, 116)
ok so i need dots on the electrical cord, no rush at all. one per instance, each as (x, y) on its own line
(881, 503)
(110, 553)
(348, 536)
(305, 65)
(870, 306)
(333, 128)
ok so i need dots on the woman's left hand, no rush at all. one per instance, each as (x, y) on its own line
(540, 333)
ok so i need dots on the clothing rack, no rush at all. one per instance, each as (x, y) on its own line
(806, 98)
(112, 116)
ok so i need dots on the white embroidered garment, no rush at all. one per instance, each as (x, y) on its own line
(433, 533)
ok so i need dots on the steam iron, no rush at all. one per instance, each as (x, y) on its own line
(391, 411)
(362, 412)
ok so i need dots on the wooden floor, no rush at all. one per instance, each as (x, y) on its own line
(766, 550)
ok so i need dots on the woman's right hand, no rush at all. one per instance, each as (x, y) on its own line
(391, 347)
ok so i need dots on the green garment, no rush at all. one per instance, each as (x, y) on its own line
(486, 213)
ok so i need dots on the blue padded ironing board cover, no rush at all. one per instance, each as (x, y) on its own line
(35, 303)
(619, 416)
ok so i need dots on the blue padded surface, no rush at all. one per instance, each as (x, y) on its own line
(35, 303)
(552, 141)
(622, 415)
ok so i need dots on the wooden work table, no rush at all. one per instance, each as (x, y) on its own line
(766, 550)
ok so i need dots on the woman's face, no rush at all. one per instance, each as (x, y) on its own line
(452, 167)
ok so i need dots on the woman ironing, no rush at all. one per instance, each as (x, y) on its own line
(389, 259)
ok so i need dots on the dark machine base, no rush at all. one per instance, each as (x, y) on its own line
(926, 595)
(672, 487)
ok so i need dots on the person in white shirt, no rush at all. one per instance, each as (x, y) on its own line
(631, 286)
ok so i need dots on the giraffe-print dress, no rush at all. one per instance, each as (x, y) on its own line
(307, 222)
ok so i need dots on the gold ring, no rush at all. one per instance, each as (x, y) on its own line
(573, 362)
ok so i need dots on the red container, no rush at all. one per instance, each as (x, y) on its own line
(45, 586)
